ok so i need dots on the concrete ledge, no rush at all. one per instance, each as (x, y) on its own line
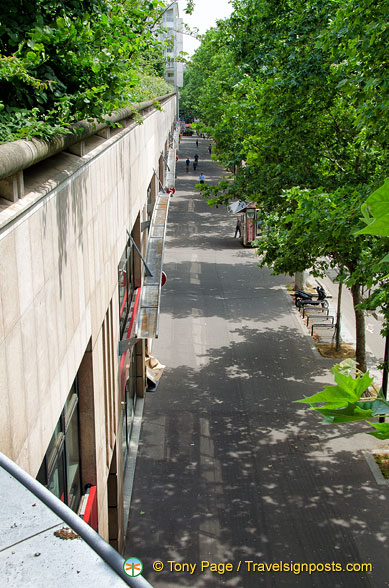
(21, 154)
(63, 166)
(371, 462)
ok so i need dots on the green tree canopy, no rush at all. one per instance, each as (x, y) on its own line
(63, 61)
(295, 96)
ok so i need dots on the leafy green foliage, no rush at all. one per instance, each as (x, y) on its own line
(61, 62)
(376, 216)
(314, 229)
(342, 403)
(293, 94)
(382, 431)
(376, 212)
(347, 391)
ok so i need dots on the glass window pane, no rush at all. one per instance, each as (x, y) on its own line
(73, 462)
(53, 445)
(126, 286)
(130, 411)
(131, 394)
(124, 433)
(56, 483)
(70, 402)
(42, 474)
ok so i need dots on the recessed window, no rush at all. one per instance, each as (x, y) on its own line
(126, 284)
(60, 471)
(128, 408)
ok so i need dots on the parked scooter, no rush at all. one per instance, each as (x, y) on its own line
(301, 298)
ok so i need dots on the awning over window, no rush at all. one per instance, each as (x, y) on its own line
(236, 207)
(148, 316)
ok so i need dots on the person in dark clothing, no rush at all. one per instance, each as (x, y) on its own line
(196, 158)
(187, 162)
(210, 149)
(238, 228)
(197, 143)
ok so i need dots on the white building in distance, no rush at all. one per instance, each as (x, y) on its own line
(174, 70)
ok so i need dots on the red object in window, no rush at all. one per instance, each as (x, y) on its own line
(90, 515)
(123, 280)
(123, 304)
(129, 332)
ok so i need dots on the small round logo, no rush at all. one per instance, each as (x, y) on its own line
(133, 567)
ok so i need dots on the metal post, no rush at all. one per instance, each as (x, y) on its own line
(384, 387)
(385, 371)
(147, 271)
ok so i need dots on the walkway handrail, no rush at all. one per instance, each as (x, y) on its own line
(17, 155)
(93, 539)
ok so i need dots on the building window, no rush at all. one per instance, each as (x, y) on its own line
(60, 471)
(150, 203)
(128, 408)
(126, 285)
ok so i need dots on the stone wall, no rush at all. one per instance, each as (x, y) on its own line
(60, 247)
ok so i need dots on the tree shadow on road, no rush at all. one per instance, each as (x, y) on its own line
(230, 470)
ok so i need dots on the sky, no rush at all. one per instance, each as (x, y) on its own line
(204, 17)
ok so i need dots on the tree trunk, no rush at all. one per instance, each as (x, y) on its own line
(386, 369)
(338, 317)
(360, 334)
(385, 373)
(299, 282)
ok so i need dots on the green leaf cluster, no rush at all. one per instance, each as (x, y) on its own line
(61, 62)
(376, 212)
(343, 402)
(295, 96)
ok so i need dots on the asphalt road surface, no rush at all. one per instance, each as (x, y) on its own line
(229, 470)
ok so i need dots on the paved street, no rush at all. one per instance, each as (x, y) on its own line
(229, 469)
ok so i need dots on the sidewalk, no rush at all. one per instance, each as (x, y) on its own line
(375, 343)
(229, 470)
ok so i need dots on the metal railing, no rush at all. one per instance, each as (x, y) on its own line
(112, 558)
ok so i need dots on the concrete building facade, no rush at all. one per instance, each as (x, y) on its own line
(72, 228)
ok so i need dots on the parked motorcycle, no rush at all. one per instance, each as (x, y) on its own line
(301, 298)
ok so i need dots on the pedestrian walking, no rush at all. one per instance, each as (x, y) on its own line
(197, 143)
(238, 228)
(187, 162)
(196, 158)
(210, 149)
(195, 164)
(202, 178)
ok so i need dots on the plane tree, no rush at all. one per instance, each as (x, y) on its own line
(316, 229)
(346, 400)
(305, 118)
